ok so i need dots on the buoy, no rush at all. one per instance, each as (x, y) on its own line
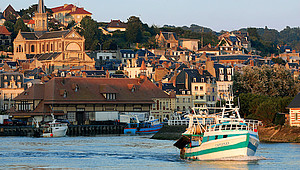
(255, 130)
(51, 135)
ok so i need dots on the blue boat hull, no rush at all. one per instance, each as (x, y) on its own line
(146, 130)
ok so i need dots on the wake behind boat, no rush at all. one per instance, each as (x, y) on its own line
(211, 137)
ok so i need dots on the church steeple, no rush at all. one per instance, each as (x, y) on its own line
(41, 19)
(41, 7)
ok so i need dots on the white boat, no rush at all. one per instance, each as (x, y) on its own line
(55, 129)
(213, 137)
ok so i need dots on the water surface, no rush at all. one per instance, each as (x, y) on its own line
(128, 152)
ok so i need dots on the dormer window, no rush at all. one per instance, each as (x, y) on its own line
(110, 96)
(65, 93)
(76, 88)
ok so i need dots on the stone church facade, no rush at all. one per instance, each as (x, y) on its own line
(55, 49)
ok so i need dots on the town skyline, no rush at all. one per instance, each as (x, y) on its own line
(275, 15)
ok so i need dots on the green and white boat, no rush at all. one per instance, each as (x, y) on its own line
(213, 137)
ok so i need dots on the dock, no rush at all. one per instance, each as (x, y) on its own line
(73, 130)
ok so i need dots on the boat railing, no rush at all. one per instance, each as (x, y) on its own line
(178, 122)
(230, 126)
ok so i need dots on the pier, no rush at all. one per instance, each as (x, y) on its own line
(73, 130)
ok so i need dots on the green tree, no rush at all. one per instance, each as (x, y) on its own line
(93, 36)
(20, 26)
(134, 30)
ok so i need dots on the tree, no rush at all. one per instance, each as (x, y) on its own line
(89, 29)
(134, 30)
(20, 26)
(270, 81)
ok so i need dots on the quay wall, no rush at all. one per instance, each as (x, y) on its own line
(73, 130)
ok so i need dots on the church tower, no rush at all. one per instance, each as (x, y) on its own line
(41, 19)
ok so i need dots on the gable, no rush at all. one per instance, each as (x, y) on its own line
(73, 35)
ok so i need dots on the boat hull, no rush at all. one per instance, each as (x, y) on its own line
(235, 145)
(57, 132)
(147, 130)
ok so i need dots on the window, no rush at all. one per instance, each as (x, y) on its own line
(201, 88)
(177, 100)
(296, 116)
(32, 48)
(213, 90)
(196, 88)
(189, 100)
(111, 96)
(24, 105)
(183, 100)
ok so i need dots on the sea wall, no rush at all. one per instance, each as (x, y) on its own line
(279, 134)
(266, 134)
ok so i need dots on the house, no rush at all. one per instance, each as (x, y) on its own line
(11, 86)
(167, 40)
(224, 78)
(5, 39)
(209, 50)
(10, 13)
(204, 93)
(69, 12)
(53, 50)
(294, 111)
(233, 43)
(2, 19)
(189, 44)
(116, 25)
(184, 101)
(80, 99)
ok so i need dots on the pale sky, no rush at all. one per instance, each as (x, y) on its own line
(215, 14)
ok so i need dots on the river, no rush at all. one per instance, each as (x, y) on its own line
(128, 152)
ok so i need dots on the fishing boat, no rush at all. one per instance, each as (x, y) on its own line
(51, 129)
(55, 129)
(213, 137)
(150, 126)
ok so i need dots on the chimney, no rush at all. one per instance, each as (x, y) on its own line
(160, 85)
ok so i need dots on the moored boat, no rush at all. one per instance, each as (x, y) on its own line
(150, 126)
(55, 129)
(211, 137)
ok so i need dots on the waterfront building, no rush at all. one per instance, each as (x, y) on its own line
(184, 101)
(79, 99)
(54, 50)
(11, 85)
(294, 111)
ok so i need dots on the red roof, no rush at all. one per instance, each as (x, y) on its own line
(71, 8)
(80, 11)
(4, 31)
(63, 8)
(31, 22)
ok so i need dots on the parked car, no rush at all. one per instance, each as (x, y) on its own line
(18, 122)
(8, 122)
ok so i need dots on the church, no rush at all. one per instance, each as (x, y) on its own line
(56, 50)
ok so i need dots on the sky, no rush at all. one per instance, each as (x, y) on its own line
(215, 14)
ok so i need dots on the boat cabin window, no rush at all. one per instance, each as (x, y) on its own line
(225, 136)
(217, 128)
(222, 127)
(227, 127)
(216, 137)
